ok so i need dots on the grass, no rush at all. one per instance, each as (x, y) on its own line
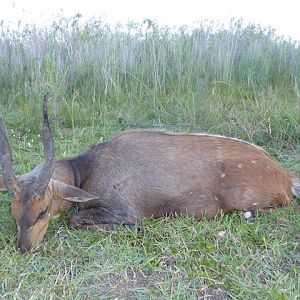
(166, 259)
(241, 81)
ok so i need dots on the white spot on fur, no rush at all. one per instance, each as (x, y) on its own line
(255, 203)
(190, 193)
(223, 175)
(247, 214)
(240, 166)
(253, 161)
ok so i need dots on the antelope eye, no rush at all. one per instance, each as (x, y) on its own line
(42, 213)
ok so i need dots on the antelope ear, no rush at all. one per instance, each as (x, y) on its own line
(69, 192)
(2, 185)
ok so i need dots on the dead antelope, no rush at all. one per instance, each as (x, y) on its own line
(141, 174)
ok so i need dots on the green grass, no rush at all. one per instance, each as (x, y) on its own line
(166, 259)
(242, 82)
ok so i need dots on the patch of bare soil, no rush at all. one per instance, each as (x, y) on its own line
(217, 293)
(139, 284)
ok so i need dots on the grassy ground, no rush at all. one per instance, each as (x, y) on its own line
(166, 259)
(241, 82)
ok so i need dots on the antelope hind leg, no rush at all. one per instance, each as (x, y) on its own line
(268, 210)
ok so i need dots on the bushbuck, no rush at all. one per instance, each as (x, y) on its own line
(142, 174)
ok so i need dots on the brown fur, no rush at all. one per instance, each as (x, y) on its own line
(143, 173)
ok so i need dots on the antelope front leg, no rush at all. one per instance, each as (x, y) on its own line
(93, 218)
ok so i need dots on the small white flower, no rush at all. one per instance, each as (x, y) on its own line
(221, 234)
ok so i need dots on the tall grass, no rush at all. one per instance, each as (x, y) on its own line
(146, 56)
(239, 81)
(144, 74)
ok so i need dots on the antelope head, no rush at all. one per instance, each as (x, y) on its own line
(30, 205)
(37, 197)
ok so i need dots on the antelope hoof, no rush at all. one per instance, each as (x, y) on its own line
(75, 221)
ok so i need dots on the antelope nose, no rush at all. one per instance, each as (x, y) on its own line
(23, 248)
